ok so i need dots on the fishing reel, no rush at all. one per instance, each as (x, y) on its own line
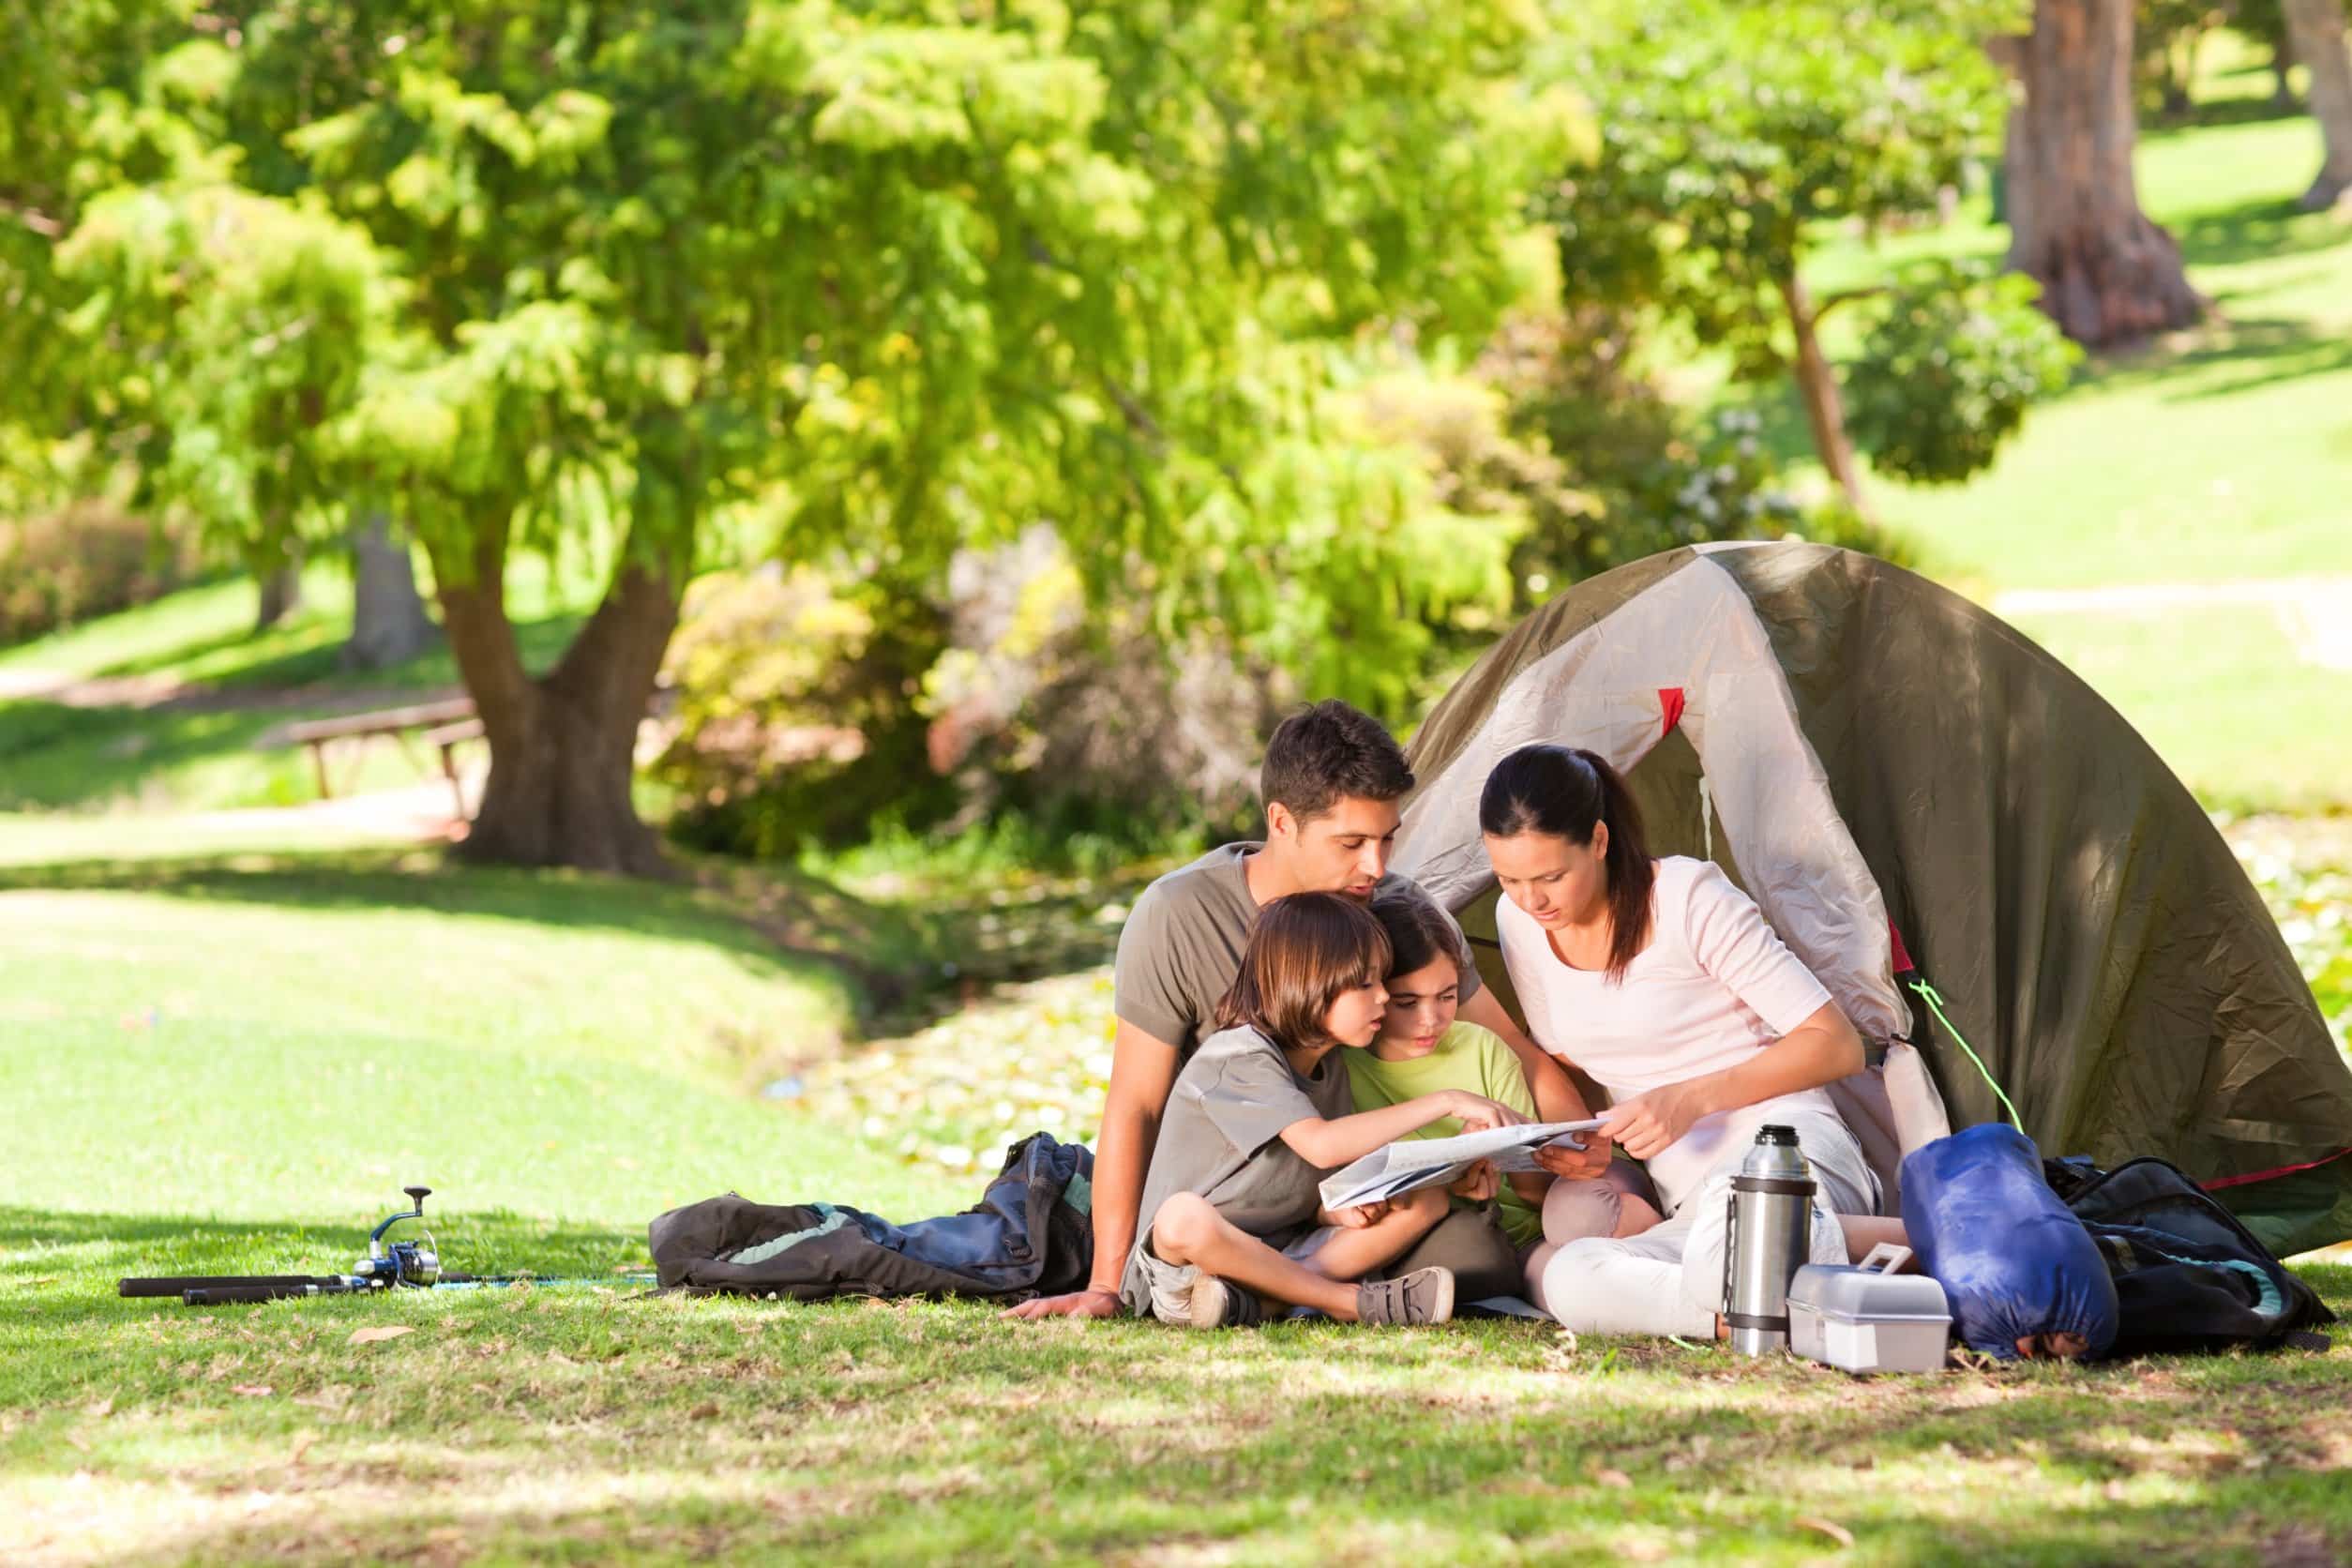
(395, 1265)
(403, 1262)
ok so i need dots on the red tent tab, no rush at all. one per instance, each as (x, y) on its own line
(1903, 964)
(1670, 708)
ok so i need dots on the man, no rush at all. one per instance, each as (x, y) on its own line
(1332, 781)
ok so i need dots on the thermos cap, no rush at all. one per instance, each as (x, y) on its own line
(1784, 1136)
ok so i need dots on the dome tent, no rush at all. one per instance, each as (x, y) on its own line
(1895, 774)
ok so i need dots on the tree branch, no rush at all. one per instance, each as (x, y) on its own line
(1829, 302)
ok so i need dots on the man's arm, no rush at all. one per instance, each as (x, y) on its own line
(1142, 1071)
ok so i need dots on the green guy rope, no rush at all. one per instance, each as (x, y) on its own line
(1936, 1005)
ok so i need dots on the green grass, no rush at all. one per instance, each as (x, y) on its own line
(197, 691)
(231, 1063)
(2220, 454)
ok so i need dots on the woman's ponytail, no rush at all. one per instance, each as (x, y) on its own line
(1566, 792)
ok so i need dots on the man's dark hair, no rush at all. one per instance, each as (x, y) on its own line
(1329, 752)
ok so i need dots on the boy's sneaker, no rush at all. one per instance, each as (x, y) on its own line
(1422, 1296)
(1217, 1303)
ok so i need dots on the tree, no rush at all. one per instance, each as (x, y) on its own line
(388, 623)
(2108, 274)
(2316, 27)
(862, 282)
(1732, 135)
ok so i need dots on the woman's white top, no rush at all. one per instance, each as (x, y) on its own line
(1714, 987)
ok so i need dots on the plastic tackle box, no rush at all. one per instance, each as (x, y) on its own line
(1865, 1317)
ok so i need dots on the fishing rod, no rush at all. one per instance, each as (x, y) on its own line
(403, 1264)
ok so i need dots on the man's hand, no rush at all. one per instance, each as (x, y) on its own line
(1648, 1124)
(1077, 1304)
(1357, 1217)
(1577, 1165)
(1478, 1184)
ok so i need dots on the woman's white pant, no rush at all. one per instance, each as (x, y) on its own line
(1669, 1278)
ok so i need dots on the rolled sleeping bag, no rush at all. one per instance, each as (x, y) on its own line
(2012, 1257)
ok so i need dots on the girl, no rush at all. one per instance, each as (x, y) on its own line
(1422, 1048)
(1662, 980)
(1257, 1118)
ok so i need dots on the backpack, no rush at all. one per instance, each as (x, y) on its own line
(2188, 1275)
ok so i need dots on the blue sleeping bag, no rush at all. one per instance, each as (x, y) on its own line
(2009, 1253)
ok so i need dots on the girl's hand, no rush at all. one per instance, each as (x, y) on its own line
(1647, 1124)
(1578, 1165)
(1357, 1217)
(1478, 1114)
(1478, 1184)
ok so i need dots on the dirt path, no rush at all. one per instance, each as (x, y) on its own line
(2314, 612)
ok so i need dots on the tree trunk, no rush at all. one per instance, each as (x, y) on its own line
(388, 623)
(2318, 28)
(2108, 275)
(562, 745)
(281, 592)
(1817, 385)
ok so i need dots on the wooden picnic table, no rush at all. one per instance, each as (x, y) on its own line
(445, 723)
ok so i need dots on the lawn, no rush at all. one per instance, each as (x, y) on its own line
(233, 1063)
(2222, 455)
(167, 707)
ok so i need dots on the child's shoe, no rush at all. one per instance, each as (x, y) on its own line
(1422, 1296)
(1217, 1303)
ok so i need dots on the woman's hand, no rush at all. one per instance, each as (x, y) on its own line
(1578, 1165)
(1479, 1182)
(1478, 1114)
(1648, 1124)
(1357, 1217)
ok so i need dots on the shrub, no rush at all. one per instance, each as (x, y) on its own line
(81, 561)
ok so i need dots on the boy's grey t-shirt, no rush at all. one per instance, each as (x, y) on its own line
(1221, 1136)
(1184, 939)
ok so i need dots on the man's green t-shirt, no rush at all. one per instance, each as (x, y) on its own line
(1467, 1056)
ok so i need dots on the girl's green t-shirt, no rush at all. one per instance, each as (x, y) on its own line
(1467, 1056)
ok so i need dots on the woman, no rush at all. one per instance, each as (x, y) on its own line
(1662, 981)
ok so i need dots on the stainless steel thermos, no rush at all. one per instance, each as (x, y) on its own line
(1769, 1228)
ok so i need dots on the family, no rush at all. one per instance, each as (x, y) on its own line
(1288, 1007)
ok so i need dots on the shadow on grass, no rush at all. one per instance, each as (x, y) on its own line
(62, 1268)
(429, 880)
(2214, 112)
(886, 1436)
(56, 755)
(906, 965)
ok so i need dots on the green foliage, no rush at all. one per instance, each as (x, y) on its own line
(1733, 135)
(1947, 371)
(855, 283)
(1730, 130)
(792, 726)
(1608, 468)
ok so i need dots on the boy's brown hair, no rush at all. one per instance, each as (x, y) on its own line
(1304, 951)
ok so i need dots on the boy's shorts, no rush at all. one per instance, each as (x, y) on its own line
(1171, 1284)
